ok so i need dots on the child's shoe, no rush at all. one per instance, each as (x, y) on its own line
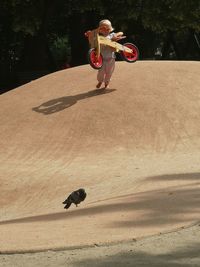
(98, 85)
(106, 86)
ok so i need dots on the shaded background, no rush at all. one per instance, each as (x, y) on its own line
(41, 37)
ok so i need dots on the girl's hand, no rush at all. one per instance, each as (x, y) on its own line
(118, 36)
(87, 34)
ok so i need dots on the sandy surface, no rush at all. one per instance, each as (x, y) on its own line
(175, 249)
(134, 148)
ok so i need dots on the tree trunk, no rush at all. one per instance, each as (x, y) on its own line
(170, 40)
(36, 52)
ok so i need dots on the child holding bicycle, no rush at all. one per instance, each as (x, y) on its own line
(104, 74)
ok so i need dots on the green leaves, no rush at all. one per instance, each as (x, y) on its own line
(157, 15)
(164, 15)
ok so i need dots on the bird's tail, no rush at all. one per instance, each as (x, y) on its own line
(66, 200)
(68, 204)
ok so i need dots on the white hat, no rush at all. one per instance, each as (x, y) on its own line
(107, 23)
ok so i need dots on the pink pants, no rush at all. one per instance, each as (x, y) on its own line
(105, 73)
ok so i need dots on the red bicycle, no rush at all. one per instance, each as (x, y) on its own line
(128, 51)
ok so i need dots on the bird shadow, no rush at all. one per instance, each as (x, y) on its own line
(61, 103)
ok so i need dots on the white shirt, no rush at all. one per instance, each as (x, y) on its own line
(106, 51)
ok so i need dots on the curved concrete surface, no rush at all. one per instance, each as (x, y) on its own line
(135, 148)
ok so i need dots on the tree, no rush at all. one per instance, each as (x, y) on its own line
(169, 18)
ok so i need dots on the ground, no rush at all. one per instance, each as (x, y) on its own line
(133, 147)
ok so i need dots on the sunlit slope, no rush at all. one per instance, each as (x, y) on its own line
(58, 134)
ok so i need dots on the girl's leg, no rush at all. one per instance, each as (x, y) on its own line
(100, 76)
(109, 68)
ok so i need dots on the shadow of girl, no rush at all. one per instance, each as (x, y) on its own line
(58, 104)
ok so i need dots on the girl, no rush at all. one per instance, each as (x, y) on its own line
(104, 74)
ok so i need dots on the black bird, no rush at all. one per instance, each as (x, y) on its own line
(75, 197)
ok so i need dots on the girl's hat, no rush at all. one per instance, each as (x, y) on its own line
(107, 23)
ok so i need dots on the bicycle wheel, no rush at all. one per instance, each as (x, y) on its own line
(130, 57)
(95, 62)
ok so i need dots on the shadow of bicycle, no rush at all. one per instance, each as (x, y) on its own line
(61, 103)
